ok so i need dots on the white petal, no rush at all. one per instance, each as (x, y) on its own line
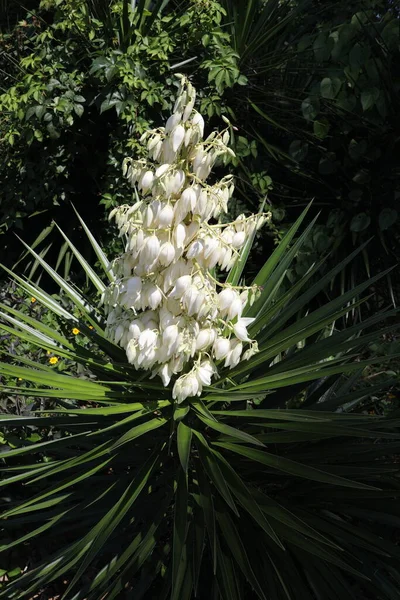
(177, 137)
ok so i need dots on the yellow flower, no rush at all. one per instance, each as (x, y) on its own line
(75, 331)
(90, 326)
(33, 299)
(53, 360)
(19, 378)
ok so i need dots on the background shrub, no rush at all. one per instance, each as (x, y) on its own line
(312, 90)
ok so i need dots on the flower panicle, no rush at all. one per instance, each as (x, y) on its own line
(166, 309)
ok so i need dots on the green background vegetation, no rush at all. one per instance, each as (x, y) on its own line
(312, 90)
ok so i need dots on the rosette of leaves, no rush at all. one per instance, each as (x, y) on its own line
(274, 484)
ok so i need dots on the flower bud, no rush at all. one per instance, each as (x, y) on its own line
(191, 96)
(148, 219)
(188, 136)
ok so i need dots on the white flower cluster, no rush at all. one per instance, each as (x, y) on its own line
(165, 307)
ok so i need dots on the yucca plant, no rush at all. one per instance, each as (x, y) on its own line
(272, 483)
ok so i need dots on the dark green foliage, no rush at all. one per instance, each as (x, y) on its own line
(279, 483)
(312, 90)
(83, 80)
(323, 105)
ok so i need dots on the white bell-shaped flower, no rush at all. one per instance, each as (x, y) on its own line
(154, 297)
(134, 331)
(198, 122)
(170, 337)
(179, 235)
(195, 249)
(205, 338)
(235, 309)
(239, 239)
(181, 285)
(233, 356)
(146, 181)
(147, 339)
(204, 372)
(221, 347)
(131, 351)
(151, 250)
(167, 254)
(240, 328)
(165, 372)
(226, 297)
(162, 169)
(165, 216)
(185, 387)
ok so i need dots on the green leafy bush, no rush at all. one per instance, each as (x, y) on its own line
(317, 115)
(322, 104)
(85, 79)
